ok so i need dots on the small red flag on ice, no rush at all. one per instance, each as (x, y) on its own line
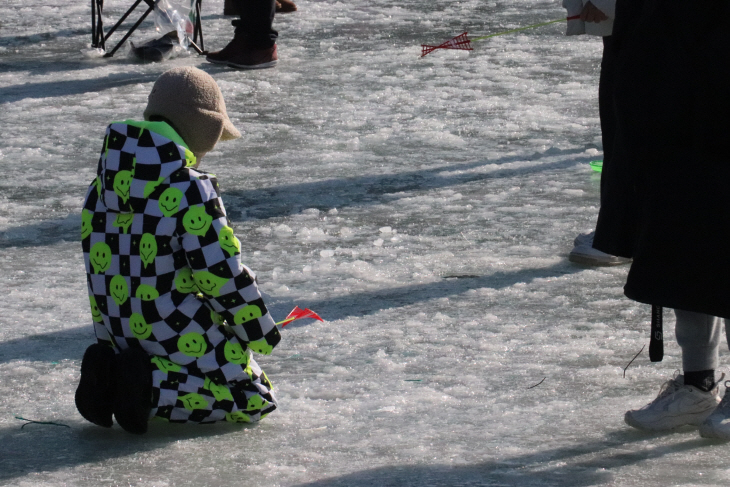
(297, 314)
(462, 42)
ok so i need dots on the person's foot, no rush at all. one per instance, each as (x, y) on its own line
(676, 405)
(222, 56)
(239, 55)
(95, 392)
(717, 424)
(285, 6)
(584, 253)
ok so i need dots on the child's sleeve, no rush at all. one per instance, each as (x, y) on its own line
(214, 255)
(574, 26)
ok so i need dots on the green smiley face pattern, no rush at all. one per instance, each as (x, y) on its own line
(95, 313)
(197, 221)
(169, 202)
(124, 221)
(145, 292)
(184, 281)
(122, 184)
(100, 257)
(147, 249)
(164, 273)
(228, 241)
(192, 344)
(119, 289)
(140, 329)
(220, 392)
(86, 227)
(181, 396)
(235, 353)
(208, 283)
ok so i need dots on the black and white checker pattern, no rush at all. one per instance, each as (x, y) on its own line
(181, 397)
(143, 248)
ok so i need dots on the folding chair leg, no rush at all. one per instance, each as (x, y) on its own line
(198, 29)
(98, 38)
(150, 5)
(150, 8)
(97, 26)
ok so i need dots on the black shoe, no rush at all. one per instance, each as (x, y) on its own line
(255, 58)
(240, 54)
(236, 45)
(95, 393)
(133, 392)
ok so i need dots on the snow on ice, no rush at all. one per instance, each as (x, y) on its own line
(423, 207)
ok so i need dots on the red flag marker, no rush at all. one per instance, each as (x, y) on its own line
(463, 43)
(297, 314)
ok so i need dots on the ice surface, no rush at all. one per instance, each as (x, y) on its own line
(423, 207)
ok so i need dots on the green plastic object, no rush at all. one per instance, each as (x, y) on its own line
(597, 166)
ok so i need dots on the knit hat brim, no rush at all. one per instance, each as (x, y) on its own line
(192, 102)
(229, 131)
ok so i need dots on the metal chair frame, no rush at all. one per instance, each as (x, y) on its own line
(99, 38)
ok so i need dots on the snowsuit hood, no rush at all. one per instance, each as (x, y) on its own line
(128, 175)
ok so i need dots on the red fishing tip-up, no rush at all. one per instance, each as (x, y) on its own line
(460, 42)
(297, 314)
(463, 43)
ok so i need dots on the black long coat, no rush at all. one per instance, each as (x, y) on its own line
(665, 198)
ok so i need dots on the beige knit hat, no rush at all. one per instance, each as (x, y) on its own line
(191, 100)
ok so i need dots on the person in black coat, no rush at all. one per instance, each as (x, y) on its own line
(666, 202)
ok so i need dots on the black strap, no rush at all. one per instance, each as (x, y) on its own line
(656, 343)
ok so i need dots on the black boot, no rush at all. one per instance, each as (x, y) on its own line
(233, 48)
(95, 393)
(133, 392)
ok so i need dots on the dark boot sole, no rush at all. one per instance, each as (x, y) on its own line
(270, 64)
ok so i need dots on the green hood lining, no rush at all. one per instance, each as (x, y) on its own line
(162, 128)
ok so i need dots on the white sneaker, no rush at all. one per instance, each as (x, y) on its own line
(676, 405)
(584, 253)
(717, 425)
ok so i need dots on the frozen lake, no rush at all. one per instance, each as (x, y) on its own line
(423, 207)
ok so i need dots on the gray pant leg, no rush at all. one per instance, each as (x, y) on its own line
(698, 336)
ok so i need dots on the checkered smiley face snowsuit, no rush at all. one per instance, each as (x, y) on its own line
(164, 274)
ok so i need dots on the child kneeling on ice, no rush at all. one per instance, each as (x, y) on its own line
(176, 314)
